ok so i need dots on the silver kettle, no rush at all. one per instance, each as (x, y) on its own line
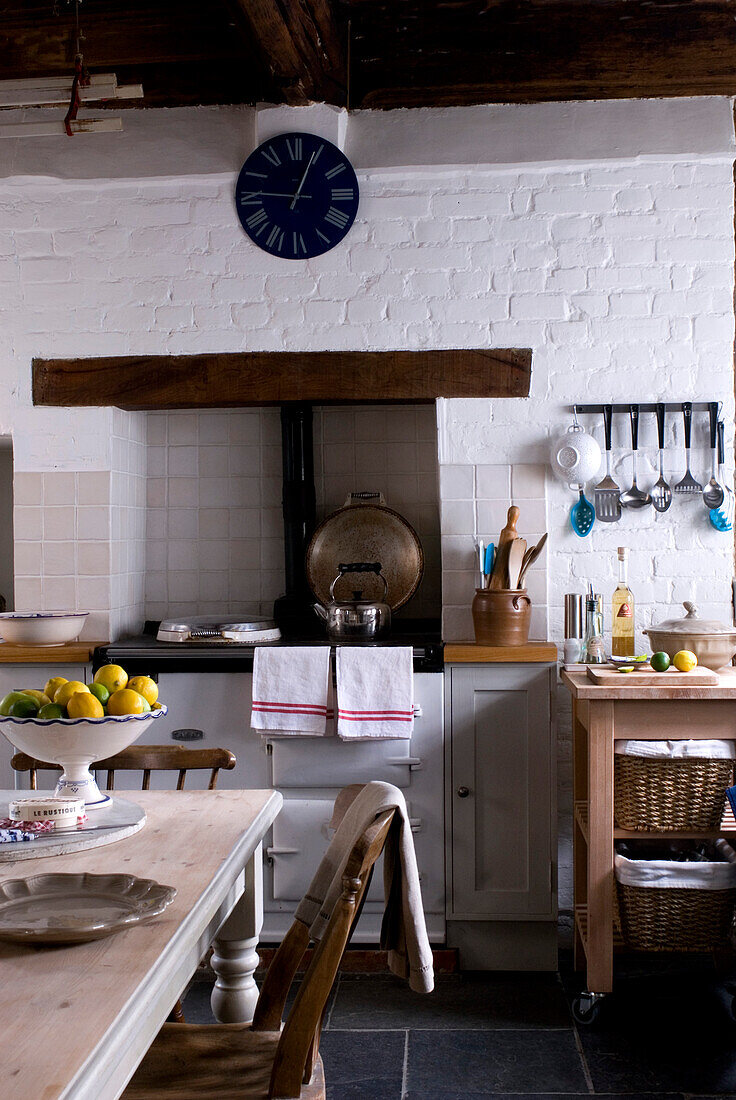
(357, 620)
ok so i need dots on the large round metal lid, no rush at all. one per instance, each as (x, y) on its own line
(369, 532)
(692, 624)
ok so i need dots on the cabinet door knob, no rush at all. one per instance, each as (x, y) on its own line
(463, 792)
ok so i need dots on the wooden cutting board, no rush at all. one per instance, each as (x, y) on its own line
(609, 676)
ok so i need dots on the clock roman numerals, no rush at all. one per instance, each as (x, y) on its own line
(337, 217)
(250, 198)
(275, 238)
(256, 218)
(272, 156)
(342, 194)
(298, 244)
(295, 148)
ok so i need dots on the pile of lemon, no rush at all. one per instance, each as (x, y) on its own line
(111, 692)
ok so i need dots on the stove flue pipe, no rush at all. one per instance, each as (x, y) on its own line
(293, 611)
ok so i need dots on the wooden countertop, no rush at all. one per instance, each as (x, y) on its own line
(470, 653)
(583, 688)
(73, 653)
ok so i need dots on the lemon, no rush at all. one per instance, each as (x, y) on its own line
(660, 662)
(51, 711)
(126, 701)
(53, 685)
(67, 689)
(684, 660)
(112, 676)
(41, 696)
(100, 692)
(84, 705)
(146, 687)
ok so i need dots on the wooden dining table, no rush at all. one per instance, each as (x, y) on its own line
(77, 1020)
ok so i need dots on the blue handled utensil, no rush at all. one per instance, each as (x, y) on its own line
(490, 554)
(582, 515)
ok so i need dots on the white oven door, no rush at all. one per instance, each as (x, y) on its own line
(301, 835)
(328, 761)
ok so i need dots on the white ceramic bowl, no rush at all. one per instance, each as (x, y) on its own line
(75, 743)
(41, 628)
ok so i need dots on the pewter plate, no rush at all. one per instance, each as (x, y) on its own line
(74, 908)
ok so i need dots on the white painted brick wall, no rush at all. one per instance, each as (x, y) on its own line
(619, 276)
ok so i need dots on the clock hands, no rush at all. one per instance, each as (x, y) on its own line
(279, 195)
(298, 191)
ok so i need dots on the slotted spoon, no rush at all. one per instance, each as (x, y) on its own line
(635, 497)
(661, 492)
(582, 515)
(607, 492)
(713, 493)
(688, 486)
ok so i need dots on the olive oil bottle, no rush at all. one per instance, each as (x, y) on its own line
(623, 643)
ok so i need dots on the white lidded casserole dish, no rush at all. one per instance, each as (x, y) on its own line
(713, 643)
(41, 628)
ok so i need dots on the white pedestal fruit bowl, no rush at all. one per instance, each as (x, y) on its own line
(75, 743)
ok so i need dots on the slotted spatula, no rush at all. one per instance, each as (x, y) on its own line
(607, 492)
(688, 486)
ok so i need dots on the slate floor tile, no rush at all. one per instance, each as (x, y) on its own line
(463, 1001)
(363, 1064)
(485, 1063)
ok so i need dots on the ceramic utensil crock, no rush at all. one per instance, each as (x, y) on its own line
(501, 617)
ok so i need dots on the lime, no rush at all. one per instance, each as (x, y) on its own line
(50, 711)
(626, 668)
(100, 692)
(11, 698)
(660, 662)
(27, 707)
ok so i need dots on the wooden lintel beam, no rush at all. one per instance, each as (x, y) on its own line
(235, 379)
(302, 46)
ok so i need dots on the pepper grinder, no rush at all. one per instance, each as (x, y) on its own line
(573, 648)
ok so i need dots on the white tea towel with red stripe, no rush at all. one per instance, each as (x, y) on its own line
(292, 691)
(375, 692)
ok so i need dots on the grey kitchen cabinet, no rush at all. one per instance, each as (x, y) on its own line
(501, 806)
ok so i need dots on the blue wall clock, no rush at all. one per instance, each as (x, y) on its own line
(296, 196)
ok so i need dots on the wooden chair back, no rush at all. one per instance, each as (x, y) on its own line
(143, 758)
(299, 1042)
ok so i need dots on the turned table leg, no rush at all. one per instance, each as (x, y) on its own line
(235, 958)
(600, 847)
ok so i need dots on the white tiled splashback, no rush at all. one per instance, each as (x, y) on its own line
(215, 527)
(475, 502)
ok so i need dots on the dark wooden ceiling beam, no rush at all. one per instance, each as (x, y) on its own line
(302, 46)
(238, 379)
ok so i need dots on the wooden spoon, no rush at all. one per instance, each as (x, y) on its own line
(531, 557)
(500, 574)
(516, 560)
(509, 532)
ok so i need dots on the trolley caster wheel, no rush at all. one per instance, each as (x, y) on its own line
(586, 1008)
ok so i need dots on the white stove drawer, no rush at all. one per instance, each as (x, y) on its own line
(330, 762)
(300, 839)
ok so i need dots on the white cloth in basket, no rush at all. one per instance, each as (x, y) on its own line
(670, 874)
(678, 750)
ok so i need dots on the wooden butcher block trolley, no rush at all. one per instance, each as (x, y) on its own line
(601, 714)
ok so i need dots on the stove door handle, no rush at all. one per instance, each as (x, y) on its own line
(414, 763)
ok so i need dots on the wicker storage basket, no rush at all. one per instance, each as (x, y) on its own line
(655, 795)
(673, 918)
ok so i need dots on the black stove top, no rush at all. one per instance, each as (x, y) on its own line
(145, 655)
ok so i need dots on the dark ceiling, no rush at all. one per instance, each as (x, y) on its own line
(381, 53)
